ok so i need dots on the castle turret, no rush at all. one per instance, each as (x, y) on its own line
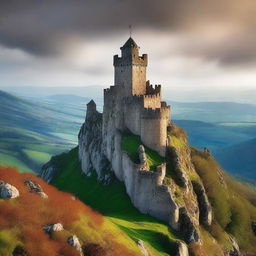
(91, 109)
(130, 69)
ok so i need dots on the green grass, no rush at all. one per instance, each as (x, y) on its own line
(113, 202)
(233, 204)
(130, 144)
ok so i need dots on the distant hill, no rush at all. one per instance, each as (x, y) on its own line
(216, 136)
(239, 159)
(31, 132)
(214, 112)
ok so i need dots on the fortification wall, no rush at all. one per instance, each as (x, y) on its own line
(150, 89)
(123, 77)
(138, 80)
(152, 101)
(145, 188)
(132, 113)
(154, 124)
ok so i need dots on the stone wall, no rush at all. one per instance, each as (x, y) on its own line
(154, 124)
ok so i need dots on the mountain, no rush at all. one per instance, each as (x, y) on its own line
(239, 157)
(31, 132)
(37, 220)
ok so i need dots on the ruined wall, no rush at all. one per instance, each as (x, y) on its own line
(154, 128)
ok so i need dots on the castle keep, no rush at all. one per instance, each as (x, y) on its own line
(135, 103)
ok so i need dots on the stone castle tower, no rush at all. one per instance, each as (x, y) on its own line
(132, 103)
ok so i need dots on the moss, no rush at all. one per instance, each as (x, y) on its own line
(130, 144)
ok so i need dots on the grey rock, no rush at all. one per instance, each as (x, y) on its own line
(74, 242)
(143, 248)
(51, 228)
(182, 249)
(35, 188)
(8, 191)
(205, 214)
(235, 251)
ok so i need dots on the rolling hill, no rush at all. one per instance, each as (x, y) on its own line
(239, 159)
(31, 132)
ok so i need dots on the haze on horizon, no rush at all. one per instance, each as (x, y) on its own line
(193, 46)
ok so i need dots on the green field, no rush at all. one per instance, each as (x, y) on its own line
(113, 202)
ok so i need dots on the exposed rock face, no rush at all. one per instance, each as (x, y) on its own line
(48, 172)
(8, 191)
(235, 250)
(182, 249)
(143, 248)
(35, 188)
(49, 229)
(188, 227)
(74, 242)
(175, 156)
(90, 145)
(205, 215)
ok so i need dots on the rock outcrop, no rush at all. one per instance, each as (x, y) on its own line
(143, 248)
(205, 214)
(35, 188)
(8, 191)
(50, 228)
(182, 249)
(74, 242)
(90, 145)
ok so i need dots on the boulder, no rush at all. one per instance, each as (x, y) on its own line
(142, 154)
(8, 191)
(35, 188)
(74, 242)
(50, 228)
(235, 251)
(143, 248)
(182, 249)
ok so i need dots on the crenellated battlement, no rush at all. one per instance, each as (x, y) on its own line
(130, 60)
(150, 89)
(156, 113)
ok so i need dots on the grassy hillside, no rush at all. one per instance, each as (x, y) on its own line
(22, 220)
(30, 133)
(113, 202)
(234, 205)
(239, 157)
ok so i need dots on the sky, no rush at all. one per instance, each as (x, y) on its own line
(196, 47)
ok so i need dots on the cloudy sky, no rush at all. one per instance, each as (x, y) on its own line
(192, 44)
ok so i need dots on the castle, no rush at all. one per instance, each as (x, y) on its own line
(137, 103)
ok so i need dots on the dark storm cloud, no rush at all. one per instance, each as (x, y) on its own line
(40, 27)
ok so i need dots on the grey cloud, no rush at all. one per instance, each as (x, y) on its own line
(40, 27)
